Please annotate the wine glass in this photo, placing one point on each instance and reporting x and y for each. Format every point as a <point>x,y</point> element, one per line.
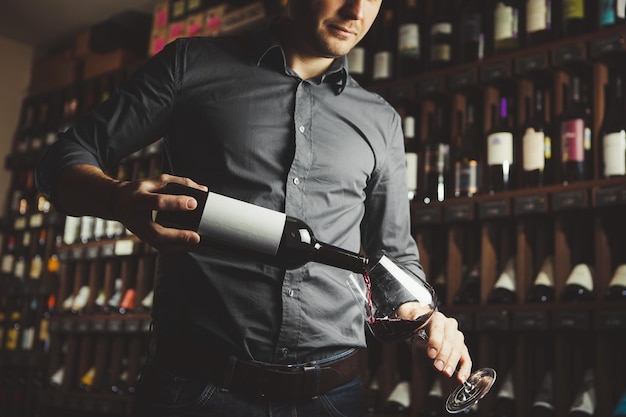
<point>397,304</point>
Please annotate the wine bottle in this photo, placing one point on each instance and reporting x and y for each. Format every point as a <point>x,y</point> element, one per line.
<point>71,229</point>
<point>579,284</point>
<point>56,380</point>
<point>543,404</point>
<point>617,285</point>
<point>542,290</point>
<point>258,232</point>
<point>584,404</point>
<point>434,403</point>
<point>357,62</point>
<point>610,12</point>
<point>383,52</point>
<point>539,28</point>
<point>80,300</point>
<point>127,304</point>
<point>613,131</point>
<point>409,46</point>
<point>441,35</point>
<point>504,290</point>
<point>576,17</point>
<point>500,149</point>
<point>36,264</point>
<point>44,324</point>
<point>436,159</point>
<point>8,257</point>
<point>620,408</point>
<point>505,401</point>
<point>27,336</point>
<point>536,146</point>
<point>467,167</point>
<point>506,25</point>
<point>399,400</point>
<point>472,32</point>
<point>575,130</point>
<point>410,154</point>
<point>87,379</point>
<point>469,292</point>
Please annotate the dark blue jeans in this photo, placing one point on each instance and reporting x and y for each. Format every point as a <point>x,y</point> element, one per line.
<point>166,393</point>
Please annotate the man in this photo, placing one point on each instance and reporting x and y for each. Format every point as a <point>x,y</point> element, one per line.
<point>273,119</point>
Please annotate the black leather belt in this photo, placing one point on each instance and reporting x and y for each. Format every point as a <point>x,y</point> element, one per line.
<point>253,379</point>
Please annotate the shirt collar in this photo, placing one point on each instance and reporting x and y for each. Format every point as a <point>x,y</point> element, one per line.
<point>267,51</point>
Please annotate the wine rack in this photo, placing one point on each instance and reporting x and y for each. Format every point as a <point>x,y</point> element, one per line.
<point>574,222</point>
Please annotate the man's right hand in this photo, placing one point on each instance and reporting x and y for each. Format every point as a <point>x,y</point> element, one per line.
<point>133,204</point>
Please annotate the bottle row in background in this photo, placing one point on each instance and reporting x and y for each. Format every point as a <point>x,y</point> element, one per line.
<point>413,36</point>
<point>492,150</point>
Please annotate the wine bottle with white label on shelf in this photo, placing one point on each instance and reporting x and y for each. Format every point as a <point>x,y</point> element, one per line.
<point>506,15</point>
<point>584,404</point>
<point>542,290</point>
<point>437,157</point>
<point>536,145</point>
<point>543,403</point>
<point>410,154</point>
<point>433,405</point>
<point>505,400</point>
<point>579,284</point>
<point>256,232</point>
<point>467,162</point>
<point>613,130</point>
<point>383,57</point>
<point>504,290</point>
<point>500,148</point>
<point>410,59</point>
<point>617,285</point>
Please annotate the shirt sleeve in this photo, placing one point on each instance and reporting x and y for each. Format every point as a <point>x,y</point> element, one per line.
<point>387,222</point>
<point>135,115</point>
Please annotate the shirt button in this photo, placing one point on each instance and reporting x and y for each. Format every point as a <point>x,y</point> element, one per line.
<point>285,351</point>
<point>296,180</point>
<point>301,129</point>
<point>290,293</point>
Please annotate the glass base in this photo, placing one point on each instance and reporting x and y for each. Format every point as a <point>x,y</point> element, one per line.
<point>476,387</point>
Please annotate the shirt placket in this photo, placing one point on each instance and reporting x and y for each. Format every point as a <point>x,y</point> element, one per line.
<point>295,206</point>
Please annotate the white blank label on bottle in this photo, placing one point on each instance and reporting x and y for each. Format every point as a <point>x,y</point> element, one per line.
<point>242,224</point>
<point>536,15</point>
<point>411,170</point>
<point>505,22</point>
<point>382,65</point>
<point>533,150</point>
<point>500,148</point>
<point>615,154</point>
<point>356,60</point>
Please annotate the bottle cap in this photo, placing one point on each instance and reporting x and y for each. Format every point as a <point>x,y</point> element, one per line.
<point>546,274</point>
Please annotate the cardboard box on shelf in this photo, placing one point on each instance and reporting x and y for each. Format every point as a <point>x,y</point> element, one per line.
<point>96,64</point>
<point>243,18</point>
<point>158,40</point>
<point>54,72</point>
<point>160,15</point>
<point>213,20</point>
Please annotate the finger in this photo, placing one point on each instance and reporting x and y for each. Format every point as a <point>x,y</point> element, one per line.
<point>165,179</point>
<point>465,367</point>
<point>435,335</point>
<point>167,237</point>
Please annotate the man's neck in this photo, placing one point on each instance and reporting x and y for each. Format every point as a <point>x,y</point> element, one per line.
<point>299,56</point>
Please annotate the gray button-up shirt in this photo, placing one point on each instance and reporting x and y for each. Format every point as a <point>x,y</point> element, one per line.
<point>236,118</point>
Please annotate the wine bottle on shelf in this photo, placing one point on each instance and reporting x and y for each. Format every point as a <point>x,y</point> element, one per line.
<point>357,62</point>
<point>81,299</point>
<point>506,14</point>
<point>610,12</point>
<point>8,257</point>
<point>410,154</point>
<point>576,17</point>
<point>539,28</point>
<point>86,228</point>
<point>44,324</point>
<point>542,290</point>
<point>71,229</point>
<point>504,290</point>
<point>116,298</point>
<point>436,158</point>
<point>56,379</point>
<point>146,302</point>
<point>613,130</point>
<point>617,285</point>
<point>500,149</point>
<point>467,166</point>
<point>584,404</point>
<point>36,263</point>
<point>13,330</point>
<point>27,336</point>
<point>399,400</point>
<point>441,35</point>
<point>469,292</point>
<point>434,403</point>
<point>409,40</point>
<point>127,304</point>
<point>505,400</point>
<point>384,48</point>
<point>472,32</point>
<point>536,146</point>
<point>579,284</point>
<point>575,136</point>
<point>256,232</point>
<point>86,382</point>
<point>543,403</point>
